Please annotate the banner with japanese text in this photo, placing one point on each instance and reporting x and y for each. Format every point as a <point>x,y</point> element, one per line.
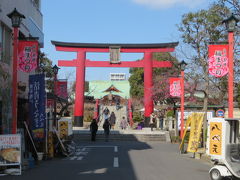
<point>27,55</point>
<point>175,87</point>
<point>37,105</point>
<point>186,126</point>
<point>218,60</point>
<point>61,89</point>
<point>195,132</point>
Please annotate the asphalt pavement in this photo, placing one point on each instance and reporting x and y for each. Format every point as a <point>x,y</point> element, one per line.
<point>120,161</point>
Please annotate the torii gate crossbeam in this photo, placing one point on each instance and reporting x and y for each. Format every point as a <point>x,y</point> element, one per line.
<point>81,63</point>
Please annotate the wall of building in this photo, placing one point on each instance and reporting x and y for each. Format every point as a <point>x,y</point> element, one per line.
<point>236,113</point>
<point>30,27</point>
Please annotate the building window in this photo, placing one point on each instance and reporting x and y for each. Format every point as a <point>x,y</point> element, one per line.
<point>1,42</point>
<point>37,3</point>
<point>5,44</point>
<point>0,117</point>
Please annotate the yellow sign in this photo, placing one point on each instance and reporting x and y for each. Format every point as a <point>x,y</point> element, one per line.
<point>50,145</point>
<point>188,122</point>
<point>215,138</point>
<point>63,129</point>
<point>195,131</point>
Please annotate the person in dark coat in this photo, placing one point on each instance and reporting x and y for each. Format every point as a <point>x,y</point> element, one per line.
<point>152,121</point>
<point>161,121</point>
<point>117,103</point>
<point>112,119</point>
<point>94,129</point>
<point>106,127</point>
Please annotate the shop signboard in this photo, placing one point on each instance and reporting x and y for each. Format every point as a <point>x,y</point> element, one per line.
<point>10,149</point>
<point>215,147</point>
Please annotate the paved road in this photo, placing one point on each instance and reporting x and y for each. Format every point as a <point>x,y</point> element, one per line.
<point>120,161</point>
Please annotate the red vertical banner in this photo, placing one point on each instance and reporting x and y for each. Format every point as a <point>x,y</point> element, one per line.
<point>218,60</point>
<point>50,103</point>
<point>27,55</point>
<point>175,87</point>
<point>61,89</point>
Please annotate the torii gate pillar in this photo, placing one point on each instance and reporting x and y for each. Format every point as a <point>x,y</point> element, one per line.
<point>148,85</point>
<point>79,95</point>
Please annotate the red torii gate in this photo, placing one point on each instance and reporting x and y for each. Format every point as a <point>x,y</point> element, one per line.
<point>81,63</point>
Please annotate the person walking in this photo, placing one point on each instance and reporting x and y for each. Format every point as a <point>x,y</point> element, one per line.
<point>123,123</point>
<point>152,121</point>
<point>112,119</point>
<point>161,117</point>
<point>106,127</point>
<point>117,103</point>
<point>106,113</point>
<point>157,122</point>
<point>93,129</point>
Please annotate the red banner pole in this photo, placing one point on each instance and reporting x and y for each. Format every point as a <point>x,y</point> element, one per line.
<point>182,104</point>
<point>55,123</point>
<point>14,80</point>
<point>230,74</point>
<point>130,111</point>
<point>96,109</point>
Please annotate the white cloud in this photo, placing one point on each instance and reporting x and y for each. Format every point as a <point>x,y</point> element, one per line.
<point>169,3</point>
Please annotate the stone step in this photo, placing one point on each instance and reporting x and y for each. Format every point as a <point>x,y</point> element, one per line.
<point>122,137</point>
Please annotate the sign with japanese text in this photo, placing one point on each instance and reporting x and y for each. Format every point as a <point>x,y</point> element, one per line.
<point>10,149</point>
<point>61,89</point>
<point>27,55</point>
<point>218,60</point>
<point>195,131</point>
<point>175,87</point>
<point>215,147</point>
<point>37,105</point>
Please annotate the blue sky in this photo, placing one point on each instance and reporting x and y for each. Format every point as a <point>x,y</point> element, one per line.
<point>111,21</point>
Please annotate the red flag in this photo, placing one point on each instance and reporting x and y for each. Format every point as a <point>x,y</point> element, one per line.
<point>175,87</point>
<point>61,89</point>
<point>50,103</point>
<point>218,60</point>
<point>27,55</point>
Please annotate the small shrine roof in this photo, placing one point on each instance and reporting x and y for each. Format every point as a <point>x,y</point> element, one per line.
<point>112,88</point>
<point>97,89</point>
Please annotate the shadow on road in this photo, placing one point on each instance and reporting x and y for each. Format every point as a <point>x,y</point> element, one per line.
<point>92,160</point>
